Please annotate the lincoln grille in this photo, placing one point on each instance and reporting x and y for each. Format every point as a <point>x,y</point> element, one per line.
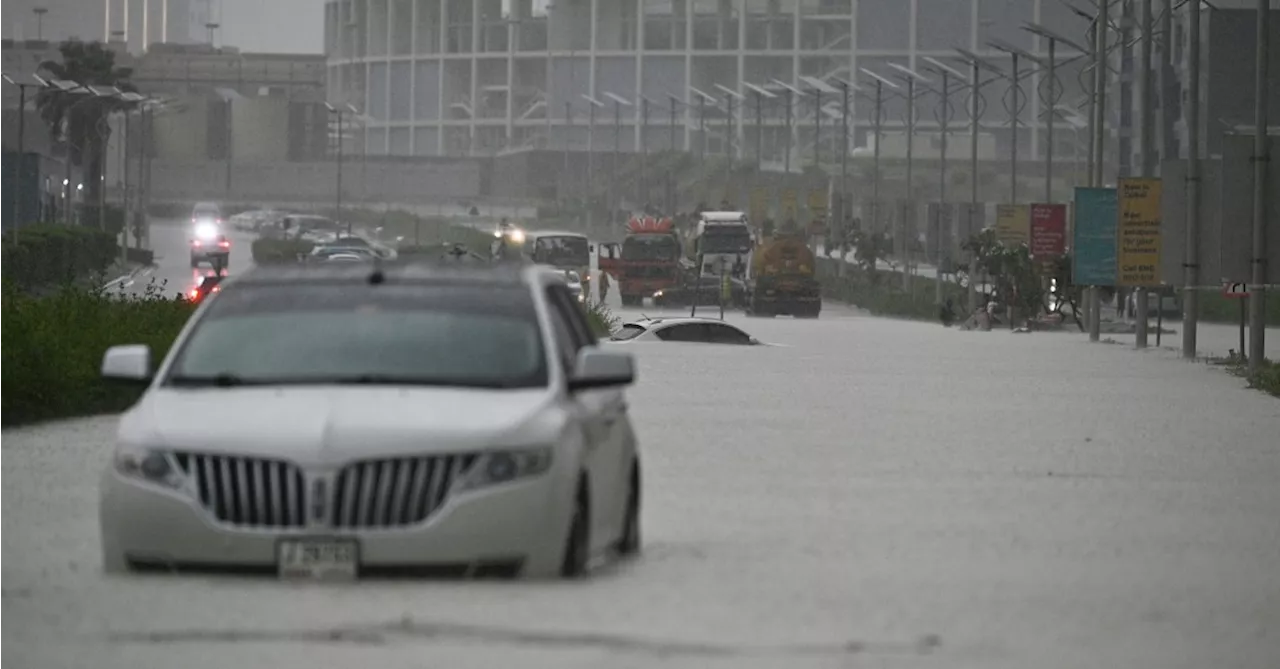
<point>246,491</point>
<point>394,492</point>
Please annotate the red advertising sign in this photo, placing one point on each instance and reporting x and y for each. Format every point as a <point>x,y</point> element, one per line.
<point>1048,230</point>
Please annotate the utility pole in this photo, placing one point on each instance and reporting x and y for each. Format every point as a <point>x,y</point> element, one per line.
<point>1146,130</point>
<point>974,112</point>
<point>643,197</point>
<point>875,158</point>
<point>568,138</point>
<point>1048,129</point>
<point>1191,252</point>
<point>817,127</point>
<point>786,156</point>
<point>942,188</point>
<point>907,219</point>
<point>843,210</point>
<point>1258,292</point>
<point>1099,142</point>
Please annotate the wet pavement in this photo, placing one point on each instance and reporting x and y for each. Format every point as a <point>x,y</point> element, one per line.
<point>868,492</point>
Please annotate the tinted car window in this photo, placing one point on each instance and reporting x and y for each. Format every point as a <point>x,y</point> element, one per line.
<point>567,341</point>
<point>691,332</point>
<point>397,334</point>
<point>628,331</point>
<point>724,334</point>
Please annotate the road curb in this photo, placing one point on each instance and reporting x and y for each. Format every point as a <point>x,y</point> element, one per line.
<point>126,280</point>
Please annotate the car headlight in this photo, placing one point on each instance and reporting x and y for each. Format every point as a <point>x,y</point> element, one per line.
<point>152,466</point>
<point>206,231</point>
<point>498,467</point>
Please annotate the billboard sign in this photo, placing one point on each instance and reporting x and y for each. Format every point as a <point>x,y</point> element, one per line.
<point>1093,246</point>
<point>1138,232</point>
<point>1013,224</point>
<point>1048,231</point>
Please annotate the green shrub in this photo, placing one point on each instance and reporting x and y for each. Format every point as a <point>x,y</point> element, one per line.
<point>53,348</point>
<point>49,255</point>
<point>113,219</point>
<point>885,296</point>
<point>1267,379</point>
<point>602,321</point>
<point>274,251</point>
<point>1215,308</point>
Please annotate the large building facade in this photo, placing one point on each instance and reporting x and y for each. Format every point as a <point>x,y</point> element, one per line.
<point>139,23</point>
<point>483,77</point>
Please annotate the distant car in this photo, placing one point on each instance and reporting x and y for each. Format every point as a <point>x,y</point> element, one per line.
<point>689,330</point>
<point>325,251</point>
<point>335,421</point>
<point>209,244</point>
<point>353,241</point>
<point>347,257</point>
<point>574,281</point>
<point>707,294</point>
<point>206,212</point>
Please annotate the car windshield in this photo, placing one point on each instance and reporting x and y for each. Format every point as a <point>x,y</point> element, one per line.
<point>650,247</point>
<point>567,250</point>
<point>205,211</point>
<point>438,335</point>
<point>628,331</point>
<point>726,239</point>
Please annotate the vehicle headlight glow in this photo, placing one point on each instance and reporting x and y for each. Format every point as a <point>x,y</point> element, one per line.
<point>498,467</point>
<point>152,466</point>
<point>517,236</point>
<point>206,231</point>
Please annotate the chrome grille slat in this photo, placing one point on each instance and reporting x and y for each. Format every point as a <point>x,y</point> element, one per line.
<point>396,514</point>
<point>386,479</point>
<point>247,492</point>
<point>394,492</point>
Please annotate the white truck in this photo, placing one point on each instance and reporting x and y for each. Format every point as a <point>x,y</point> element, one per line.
<point>723,244</point>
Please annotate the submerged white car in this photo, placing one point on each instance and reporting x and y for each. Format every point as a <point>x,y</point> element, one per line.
<point>432,419</point>
<point>686,330</point>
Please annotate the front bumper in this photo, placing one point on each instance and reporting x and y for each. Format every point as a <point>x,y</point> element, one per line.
<point>520,525</point>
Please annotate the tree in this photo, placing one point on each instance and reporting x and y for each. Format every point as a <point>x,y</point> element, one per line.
<point>79,121</point>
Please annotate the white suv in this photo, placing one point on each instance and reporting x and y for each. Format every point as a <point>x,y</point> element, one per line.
<point>345,419</point>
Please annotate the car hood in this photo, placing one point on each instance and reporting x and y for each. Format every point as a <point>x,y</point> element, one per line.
<point>333,424</point>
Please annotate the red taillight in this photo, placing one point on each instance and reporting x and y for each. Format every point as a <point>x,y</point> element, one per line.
<point>224,244</point>
<point>195,242</point>
<point>195,293</point>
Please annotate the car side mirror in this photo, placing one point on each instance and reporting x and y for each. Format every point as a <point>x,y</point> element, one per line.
<point>127,363</point>
<point>597,368</point>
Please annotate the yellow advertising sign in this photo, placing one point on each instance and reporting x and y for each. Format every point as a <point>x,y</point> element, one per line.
<point>759,205</point>
<point>790,210</point>
<point>1138,233</point>
<point>1013,223</point>
<point>818,203</point>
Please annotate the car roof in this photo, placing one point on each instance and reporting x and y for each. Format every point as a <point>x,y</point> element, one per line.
<point>650,323</point>
<point>399,271</point>
<point>529,234</point>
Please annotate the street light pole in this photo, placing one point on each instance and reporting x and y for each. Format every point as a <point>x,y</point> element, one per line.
<point>786,156</point>
<point>1099,139</point>
<point>1048,130</point>
<point>843,211</point>
<point>1191,254</point>
<point>1146,131</point>
<point>1258,292</point>
<point>974,113</point>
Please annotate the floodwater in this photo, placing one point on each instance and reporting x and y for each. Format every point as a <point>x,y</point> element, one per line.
<point>873,493</point>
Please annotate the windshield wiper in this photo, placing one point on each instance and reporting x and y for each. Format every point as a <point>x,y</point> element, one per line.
<point>395,380</point>
<point>223,380</point>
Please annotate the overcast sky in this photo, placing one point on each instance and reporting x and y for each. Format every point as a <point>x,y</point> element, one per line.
<point>292,26</point>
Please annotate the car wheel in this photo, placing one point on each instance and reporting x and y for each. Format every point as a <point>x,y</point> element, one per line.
<point>629,543</point>
<point>577,547</point>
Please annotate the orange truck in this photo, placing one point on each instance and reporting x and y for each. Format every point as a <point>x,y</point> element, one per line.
<point>647,260</point>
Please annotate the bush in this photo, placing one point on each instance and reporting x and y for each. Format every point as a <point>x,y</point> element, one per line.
<point>602,321</point>
<point>49,255</point>
<point>113,220</point>
<point>53,348</point>
<point>1215,308</point>
<point>274,251</point>
<point>885,296</point>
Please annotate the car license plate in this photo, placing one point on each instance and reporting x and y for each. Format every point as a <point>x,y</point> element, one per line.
<point>325,559</point>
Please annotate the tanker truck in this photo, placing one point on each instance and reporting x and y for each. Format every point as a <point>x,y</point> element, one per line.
<point>784,279</point>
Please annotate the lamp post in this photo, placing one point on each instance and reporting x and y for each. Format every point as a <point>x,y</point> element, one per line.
<point>790,93</point>
<point>340,112</point>
<point>1257,297</point>
<point>729,96</point>
<point>1191,254</point>
<point>911,77</point>
<point>1015,108</point>
<point>592,105</point>
<point>976,65</point>
<point>946,72</point>
<point>618,103</point>
<point>878,128</point>
<point>761,93</point>
<point>846,87</point>
<point>1053,39</point>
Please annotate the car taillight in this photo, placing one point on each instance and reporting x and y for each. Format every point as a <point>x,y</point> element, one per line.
<point>224,244</point>
<point>195,293</point>
<point>196,242</point>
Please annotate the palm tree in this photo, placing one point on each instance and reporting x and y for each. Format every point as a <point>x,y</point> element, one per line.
<point>82,123</point>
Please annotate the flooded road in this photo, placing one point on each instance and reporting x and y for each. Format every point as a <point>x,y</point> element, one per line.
<point>868,493</point>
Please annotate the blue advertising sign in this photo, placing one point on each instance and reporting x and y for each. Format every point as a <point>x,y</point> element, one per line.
<point>1093,247</point>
